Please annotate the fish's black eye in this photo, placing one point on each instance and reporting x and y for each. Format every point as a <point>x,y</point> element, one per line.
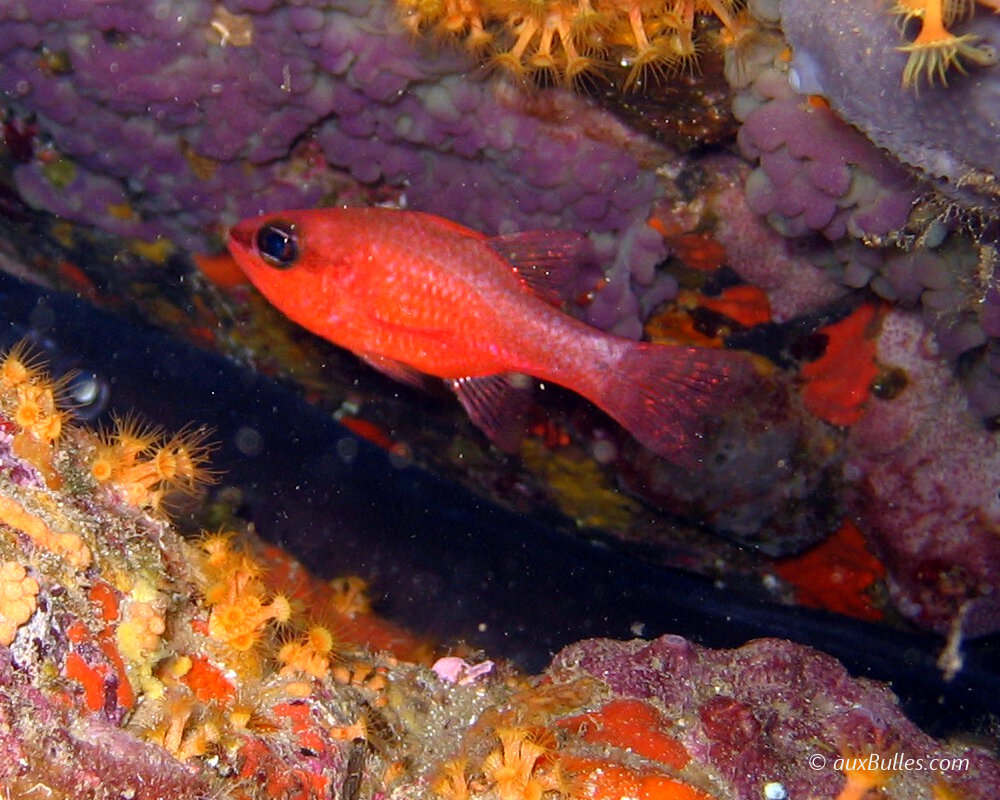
<point>278,244</point>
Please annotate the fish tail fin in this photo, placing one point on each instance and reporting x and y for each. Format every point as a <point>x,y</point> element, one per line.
<point>666,396</point>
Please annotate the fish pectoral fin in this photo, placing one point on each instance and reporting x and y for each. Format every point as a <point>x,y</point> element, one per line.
<point>546,261</point>
<point>396,370</point>
<point>408,323</point>
<point>498,404</point>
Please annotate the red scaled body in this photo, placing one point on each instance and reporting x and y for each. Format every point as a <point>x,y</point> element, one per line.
<point>414,293</point>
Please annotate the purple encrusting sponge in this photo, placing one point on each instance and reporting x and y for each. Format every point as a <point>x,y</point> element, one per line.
<point>815,173</point>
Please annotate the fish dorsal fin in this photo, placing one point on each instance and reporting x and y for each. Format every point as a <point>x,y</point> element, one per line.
<point>546,261</point>
<point>396,370</point>
<point>498,404</point>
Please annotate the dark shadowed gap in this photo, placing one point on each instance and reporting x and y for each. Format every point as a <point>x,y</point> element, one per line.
<point>443,561</point>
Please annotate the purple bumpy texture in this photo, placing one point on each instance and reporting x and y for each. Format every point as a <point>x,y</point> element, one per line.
<point>815,173</point>
<point>771,718</point>
<point>793,277</point>
<point>925,482</point>
<point>177,119</point>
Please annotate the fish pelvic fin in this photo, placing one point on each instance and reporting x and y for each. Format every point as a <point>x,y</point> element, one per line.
<point>498,405</point>
<point>396,370</point>
<point>669,396</point>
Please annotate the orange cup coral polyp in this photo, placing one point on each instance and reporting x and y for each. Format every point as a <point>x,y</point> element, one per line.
<point>936,50</point>
<point>144,466</point>
<point>567,39</point>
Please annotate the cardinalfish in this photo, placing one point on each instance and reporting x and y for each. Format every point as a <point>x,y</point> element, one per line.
<point>414,294</point>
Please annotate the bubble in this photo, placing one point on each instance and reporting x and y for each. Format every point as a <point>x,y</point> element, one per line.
<point>605,451</point>
<point>42,318</point>
<point>88,394</point>
<point>248,441</point>
<point>775,791</point>
<point>347,449</point>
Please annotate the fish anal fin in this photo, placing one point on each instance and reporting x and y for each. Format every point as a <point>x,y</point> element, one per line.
<point>396,370</point>
<point>546,261</point>
<point>498,405</point>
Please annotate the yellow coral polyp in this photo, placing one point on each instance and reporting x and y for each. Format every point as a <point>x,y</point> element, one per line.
<point>451,782</point>
<point>176,734</point>
<point>29,408</point>
<point>511,766</point>
<point>936,50</point>
<point>564,39</point>
<point>18,593</point>
<point>310,656</point>
<point>31,399</point>
<point>320,639</point>
<point>280,609</point>
<point>548,39</point>
<point>217,549</point>
<point>460,18</point>
<point>238,576</point>
<point>239,623</point>
<point>36,411</point>
<point>350,596</point>
<point>20,366</point>
<point>864,773</point>
<point>120,449</point>
<point>143,467</point>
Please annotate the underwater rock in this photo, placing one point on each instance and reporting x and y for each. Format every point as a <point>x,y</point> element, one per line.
<point>947,132</point>
<point>766,478</point>
<point>887,229</point>
<point>47,745</point>
<point>260,104</point>
<point>769,719</point>
<point>925,483</point>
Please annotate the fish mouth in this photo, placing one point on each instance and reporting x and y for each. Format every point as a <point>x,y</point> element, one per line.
<point>242,237</point>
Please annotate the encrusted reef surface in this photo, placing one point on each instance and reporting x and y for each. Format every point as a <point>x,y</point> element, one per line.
<point>137,663</point>
<point>947,130</point>
<point>913,465</point>
<point>175,121</point>
<point>135,133</point>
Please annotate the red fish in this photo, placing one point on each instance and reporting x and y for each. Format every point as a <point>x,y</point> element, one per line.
<point>415,294</point>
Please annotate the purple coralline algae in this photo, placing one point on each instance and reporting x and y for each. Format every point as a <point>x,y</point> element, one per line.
<point>772,719</point>
<point>794,279</point>
<point>925,482</point>
<point>956,285</point>
<point>173,120</point>
<point>851,54</point>
<point>815,173</point>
